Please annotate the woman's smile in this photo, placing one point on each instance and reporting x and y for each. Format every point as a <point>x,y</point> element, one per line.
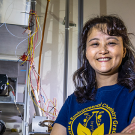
<point>103,59</point>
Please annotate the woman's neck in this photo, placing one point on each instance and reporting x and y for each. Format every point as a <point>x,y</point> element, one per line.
<point>106,80</point>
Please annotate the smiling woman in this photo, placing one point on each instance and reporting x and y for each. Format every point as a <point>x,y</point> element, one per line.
<point>104,98</point>
<point>104,52</point>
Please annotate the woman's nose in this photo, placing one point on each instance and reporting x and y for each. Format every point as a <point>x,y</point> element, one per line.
<point>104,49</point>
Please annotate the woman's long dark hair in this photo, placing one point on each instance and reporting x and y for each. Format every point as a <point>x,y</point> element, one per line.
<point>84,78</point>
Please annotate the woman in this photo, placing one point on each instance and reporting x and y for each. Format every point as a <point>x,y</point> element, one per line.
<point>104,99</point>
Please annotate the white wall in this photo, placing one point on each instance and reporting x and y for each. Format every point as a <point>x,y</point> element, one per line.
<point>125,9</point>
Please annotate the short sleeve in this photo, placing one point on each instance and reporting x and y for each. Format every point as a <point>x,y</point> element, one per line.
<point>63,114</point>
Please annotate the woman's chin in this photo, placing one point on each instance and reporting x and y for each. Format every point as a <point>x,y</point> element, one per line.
<point>106,72</point>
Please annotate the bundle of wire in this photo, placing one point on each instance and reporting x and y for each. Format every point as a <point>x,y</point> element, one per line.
<point>47,106</point>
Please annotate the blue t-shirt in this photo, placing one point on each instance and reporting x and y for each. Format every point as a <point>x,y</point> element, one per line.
<point>111,112</point>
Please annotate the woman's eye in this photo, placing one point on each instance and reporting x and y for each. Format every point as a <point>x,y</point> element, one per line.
<point>94,44</point>
<point>111,43</point>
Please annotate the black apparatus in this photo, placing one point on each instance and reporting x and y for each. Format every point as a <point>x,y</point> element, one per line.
<point>3,84</point>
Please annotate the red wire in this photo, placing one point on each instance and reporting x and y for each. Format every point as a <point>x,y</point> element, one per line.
<point>35,39</point>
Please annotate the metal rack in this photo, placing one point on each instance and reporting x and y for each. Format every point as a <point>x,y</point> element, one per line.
<point>13,111</point>
<point>39,133</point>
<point>9,110</point>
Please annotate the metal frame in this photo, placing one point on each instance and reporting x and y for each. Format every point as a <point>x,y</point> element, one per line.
<point>26,106</point>
<point>80,25</point>
<point>66,51</point>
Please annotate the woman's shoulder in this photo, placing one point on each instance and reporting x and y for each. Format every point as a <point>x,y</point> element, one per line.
<point>123,88</point>
<point>72,95</point>
<point>71,99</point>
<point>128,91</point>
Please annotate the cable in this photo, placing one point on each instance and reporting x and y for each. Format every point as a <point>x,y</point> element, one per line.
<point>12,33</point>
<point>26,39</point>
<point>34,96</point>
<point>8,18</point>
<point>13,92</point>
<point>41,100</point>
<point>41,36</point>
<point>18,45</point>
<point>1,25</point>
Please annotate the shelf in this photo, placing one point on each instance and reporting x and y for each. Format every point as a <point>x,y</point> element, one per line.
<point>18,103</point>
<point>9,112</point>
<point>39,133</point>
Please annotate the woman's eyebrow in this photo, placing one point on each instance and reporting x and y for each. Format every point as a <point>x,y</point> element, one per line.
<point>112,38</point>
<point>93,39</point>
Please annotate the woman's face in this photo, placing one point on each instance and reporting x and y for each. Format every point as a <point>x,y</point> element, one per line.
<point>104,52</point>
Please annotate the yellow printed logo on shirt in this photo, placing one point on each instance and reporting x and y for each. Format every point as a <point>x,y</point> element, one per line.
<point>93,120</point>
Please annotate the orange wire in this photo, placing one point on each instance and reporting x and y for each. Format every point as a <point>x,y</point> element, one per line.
<point>39,65</point>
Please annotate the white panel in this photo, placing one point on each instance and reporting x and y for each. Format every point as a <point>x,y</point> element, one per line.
<point>11,11</point>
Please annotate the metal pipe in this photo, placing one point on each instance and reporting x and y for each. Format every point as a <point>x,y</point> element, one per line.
<point>28,113</point>
<point>25,102</point>
<point>80,25</point>
<point>66,50</point>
